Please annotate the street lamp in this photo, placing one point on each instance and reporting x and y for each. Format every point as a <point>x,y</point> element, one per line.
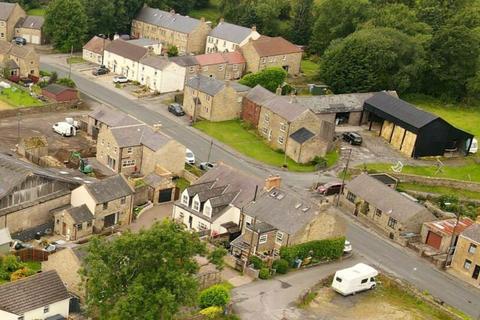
<point>345,170</point>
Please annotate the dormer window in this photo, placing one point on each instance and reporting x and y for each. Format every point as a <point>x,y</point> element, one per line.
<point>185,199</point>
<point>196,205</point>
<point>207,210</point>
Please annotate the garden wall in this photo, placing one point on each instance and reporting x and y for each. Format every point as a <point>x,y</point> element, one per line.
<point>51,107</point>
<point>435,181</point>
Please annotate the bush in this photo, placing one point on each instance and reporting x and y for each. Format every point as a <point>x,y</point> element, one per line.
<point>211,312</point>
<point>319,250</point>
<point>257,262</point>
<point>21,273</point>
<point>216,257</point>
<point>269,78</point>
<point>281,266</point>
<point>66,82</point>
<point>216,295</point>
<point>264,273</point>
<point>320,162</point>
<point>11,263</point>
<point>53,77</point>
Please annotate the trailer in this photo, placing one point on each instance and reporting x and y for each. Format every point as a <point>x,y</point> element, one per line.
<point>351,280</point>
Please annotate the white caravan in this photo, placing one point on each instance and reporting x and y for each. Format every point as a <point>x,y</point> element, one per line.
<point>354,279</point>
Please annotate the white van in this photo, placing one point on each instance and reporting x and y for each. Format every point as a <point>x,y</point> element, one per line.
<point>65,129</point>
<point>360,277</point>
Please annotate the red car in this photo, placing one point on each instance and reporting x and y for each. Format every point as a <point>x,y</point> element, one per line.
<point>330,188</point>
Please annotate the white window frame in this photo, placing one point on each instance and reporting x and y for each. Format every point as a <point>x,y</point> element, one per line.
<point>185,199</point>
<point>279,237</point>
<point>263,238</point>
<point>196,205</point>
<point>129,150</point>
<point>472,248</point>
<point>283,127</point>
<point>281,139</point>
<point>467,264</point>
<point>128,163</point>
<point>201,226</point>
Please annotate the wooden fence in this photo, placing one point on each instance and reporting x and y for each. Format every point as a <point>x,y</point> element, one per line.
<point>31,254</point>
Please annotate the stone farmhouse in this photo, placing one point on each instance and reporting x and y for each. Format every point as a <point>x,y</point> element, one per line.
<point>20,61</point>
<point>228,37</point>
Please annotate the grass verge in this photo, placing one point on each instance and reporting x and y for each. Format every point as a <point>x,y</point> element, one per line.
<point>460,193</point>
<point>249,143</point>
<point>75,59</point>
<point>18,98</point>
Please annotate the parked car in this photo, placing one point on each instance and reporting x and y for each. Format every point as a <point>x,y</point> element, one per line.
<point>65,129</point>
<point>347,248</point>
<point>189,157</point>
<point>351,280</point>
<point>207,165</point>
<point>18,244</point>
<point>352,138</point>
<point>330,188</point>
<point>26,82</point>
<point>120,79</point>
<point>100,70</point>
<point>176,109</point>
<point>20,41</point>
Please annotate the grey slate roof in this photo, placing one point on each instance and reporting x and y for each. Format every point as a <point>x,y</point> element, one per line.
<point>126,49</point>
<point>6,10</point>
<point>113,118</point>
<point>346,102</point>
<point>5,236</point>
<point>30,293</point>
<point>473,232</point>
<point>142,42</point>
<point>80,214</point>
<point>213,86</point>
<point>130,136</point>
<point>154,180</point>
<point>109,189</point>
<point>230,32</point>
<point>185,61</point>
<point>33,22</point>
<point>302,135</point>
<point>167,20</point>
<point>286,107</point>
<point>259,95</point>
<point>385,198</point>
<point>156,62</point>
<point>283,209</point>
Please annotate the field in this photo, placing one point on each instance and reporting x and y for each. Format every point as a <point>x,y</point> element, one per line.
<point>211,13</point>
<point>17,98</point>
<point>37,12</point>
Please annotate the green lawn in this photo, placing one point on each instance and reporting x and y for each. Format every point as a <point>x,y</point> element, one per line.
<point>309,68</point>
<point>75,59</point>
<point>460,193</point>
<point>37,12</point>
<point>249,143</point>
<point>211,13</point>
<point>182,183</point>
<point>18,98</point>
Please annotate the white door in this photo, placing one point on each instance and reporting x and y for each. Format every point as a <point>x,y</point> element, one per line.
<point>35,39</point>
<point>27,37</point>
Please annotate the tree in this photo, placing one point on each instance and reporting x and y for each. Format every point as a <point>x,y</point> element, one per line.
<point>100,21</point>
<point>172,51</point>
<point>216,295</point>
<point>147,275</point>
<point>269,78</point>
<point>216,257</point>
<point>373,60</point>
<point>337,19</point>
<point>302,24</point>
<point>66,24</point>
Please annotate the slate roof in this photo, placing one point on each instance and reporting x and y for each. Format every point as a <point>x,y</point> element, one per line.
<point>57,88</point>
<point>143,42</point>
<point>302,135</point>
<point>283,209</point>
<point>32,22</point>
<point>30,293</point>
<point>109,189</point>
<point>80,214</point>
<point>473,232</point>
<point>157,62</point>
<point>6,10</point>
<point>259,95</point>
<point>185,61</point>
<point>399,109</point>
<point>113,118</point>
<point>136,135</point>
<point>213,86</point>
<point>127,50</point>
<point>230,32</point>
<point>284,106</point>
<point>154,180</point>
<point>268,46</point>
<point>385,198</point>
<point>5,236</point>
<point>15,50</point>
<point>167,20</point>
<point>384,178</point>
<point>96,44</point>
<point>346,102</point>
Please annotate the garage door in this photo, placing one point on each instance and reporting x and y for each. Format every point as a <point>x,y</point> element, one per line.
<point>434,240</point>
<point>35,39</point>
<point>165,195</point>
<point>27,37</point>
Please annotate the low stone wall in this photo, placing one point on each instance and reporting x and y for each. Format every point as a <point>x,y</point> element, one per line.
<point>190,177</point>
<point>436,181</point>
<point>51,107</point>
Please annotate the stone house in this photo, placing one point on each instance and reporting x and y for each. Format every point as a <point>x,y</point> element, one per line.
<point>160,187</point>
<point>213,203</point>
<point>267,52</point>
<point>31,29</point>
<point>278,217</point>
<point>228,37</point>
<point>466,259</point>
<point>161,75</point>
<point>303,145</point>
<point>42,296</point>
<point>222,66</point>
<point>213,100</point>
<point>105,117</point>
<point>122,57</point>
<point>139,148</point>
<point>10,14</point>
<point>438,234</point>
<point>397,215</point>
<point>21,61</point>
<point>74,222</point>
<point>189,35</point>
<point>93,49</point>
<point>252,104</point>
<point>109,201</point>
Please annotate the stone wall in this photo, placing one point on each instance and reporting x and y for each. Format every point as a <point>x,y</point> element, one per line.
<point>435,181</point>
<point>51,107</point>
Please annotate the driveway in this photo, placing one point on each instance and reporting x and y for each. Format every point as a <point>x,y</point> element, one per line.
<point>150,216</point>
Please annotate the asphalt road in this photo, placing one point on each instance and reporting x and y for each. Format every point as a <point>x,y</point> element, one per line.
<point>378,251</point>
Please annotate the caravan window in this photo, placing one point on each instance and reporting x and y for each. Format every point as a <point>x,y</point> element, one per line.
<point>338,279</point>
<point>364,280</point>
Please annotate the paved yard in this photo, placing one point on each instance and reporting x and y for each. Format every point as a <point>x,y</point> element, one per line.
<point>149,217</point>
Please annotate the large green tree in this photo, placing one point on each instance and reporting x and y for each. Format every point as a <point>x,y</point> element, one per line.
<point>100,21</point>
<point>66,24</point>
<point>373,59</point>
<point>269,78</point>
<point>145,276</point>
<point>302,23</point>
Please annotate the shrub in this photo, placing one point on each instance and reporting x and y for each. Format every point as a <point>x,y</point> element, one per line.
<point>21,273</point>
<point>216,295</point>
<point>281,266</point>
<point>329,249</point>
<point>66,82</point>
<point>264,273</point>
<point>211,312</point>
<point>53,77</point>
<point>44,73</point>
<point>257,262</point>
<point>216,257</point>
<point>11,263</point>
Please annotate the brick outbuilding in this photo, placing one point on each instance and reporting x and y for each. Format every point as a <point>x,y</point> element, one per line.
<point>60,93</point>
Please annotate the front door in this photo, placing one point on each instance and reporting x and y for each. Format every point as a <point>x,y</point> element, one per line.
<point>110,220</point>
<point>476,272</point>
<point>190,221</point>
<point>64,229</point>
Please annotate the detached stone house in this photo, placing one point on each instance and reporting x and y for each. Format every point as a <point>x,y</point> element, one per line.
<point>10,14</point>
<point>42,296</point>
<point>139,149</point>
<point>21,61</point>
<point>161,75</point>
<point>228,37</point>
<point>230,65</point>
<point>31,29</point>
<point>396,215</point>
<point>267,52</point>
<point>122,57</point>
<point>105,117</point>
<point>278,217</point>
<point>93,49</point>
<point>466,260</point>
<point>213,100</point>
<point>213,203</point>
<point>189,35</point>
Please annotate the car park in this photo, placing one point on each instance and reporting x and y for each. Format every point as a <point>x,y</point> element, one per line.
<point>207,165</point>
<point>353,138</point>
<point>189,157</point>
<point>100,71</point>
<point>330,188</point>
<point>176,109</point>
<point>120,79</point>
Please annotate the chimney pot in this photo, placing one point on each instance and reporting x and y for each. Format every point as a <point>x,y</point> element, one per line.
<point>172,11</point>
<point>272,182</point>
<point>254,28</point>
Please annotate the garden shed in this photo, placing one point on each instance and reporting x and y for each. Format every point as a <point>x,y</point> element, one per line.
<point>414,132</point>
<point>60,93</point>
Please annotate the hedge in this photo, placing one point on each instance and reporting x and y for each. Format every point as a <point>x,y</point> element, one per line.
<point>264,273</point>
<point>281,266</point>
<point>319,250</point>
<point>216,295</point>
<point>257,262</point>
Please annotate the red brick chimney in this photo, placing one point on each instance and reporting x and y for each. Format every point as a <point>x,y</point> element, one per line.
<point>272,182</point>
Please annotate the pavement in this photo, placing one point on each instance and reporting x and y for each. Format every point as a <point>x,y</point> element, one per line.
<point>368,246</point>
